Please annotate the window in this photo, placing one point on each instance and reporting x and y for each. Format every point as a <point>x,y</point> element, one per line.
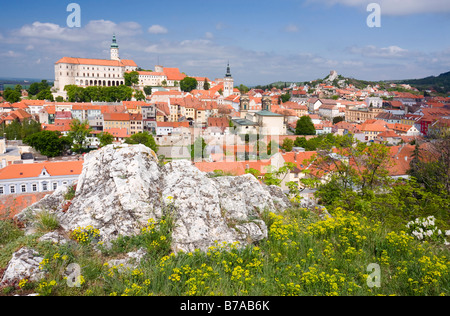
<point>55,185</point>
<point>23,188</point>
<point>44,186</point>
<point>12,189</point>
<point>2,190</point>
<point>34,187</point>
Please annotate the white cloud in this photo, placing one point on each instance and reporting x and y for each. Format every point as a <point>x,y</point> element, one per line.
<point>395,7</point>
<point>157,29</point>
<point>93,31</point>
<point>291,28</point>
<point>11,54</point>
<point>209,35</point>
<point>376,52</point>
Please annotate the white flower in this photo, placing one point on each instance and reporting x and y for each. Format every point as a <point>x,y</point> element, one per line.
<point>447,233</point>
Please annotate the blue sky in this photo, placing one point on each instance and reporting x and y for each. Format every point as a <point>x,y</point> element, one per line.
<point>265,41</point>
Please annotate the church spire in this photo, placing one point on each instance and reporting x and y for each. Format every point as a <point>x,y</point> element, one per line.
<point>228,75</point>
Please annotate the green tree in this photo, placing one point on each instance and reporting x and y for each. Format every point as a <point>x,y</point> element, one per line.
<point>272,148</point>
<point>48,143</point>
<point>188,84</point>
<point>139,95</point>
<point>431,166</point>
<point>75,93</point>
<point>34,88</point>
<point>12,96</point>
<point>285,97</point>
<point>79,132</point>
<point>288,144</point>
<point>131,78</point>
<point>105,139</point>
<point>198,149</point>
<point>338,119</point>
<point>305,126</point>
<point>243,89</point>
<point>45,95</point>
<point>357,171</point>
<point>276,177</point>
<point>300,142</point>
<point>148,90</point>
<point>206,84</point>
<point>143,138</point>
<point>254,172</point>
<point>20,130</point>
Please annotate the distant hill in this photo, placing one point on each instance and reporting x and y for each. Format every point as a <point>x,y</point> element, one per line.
<point>440,83</point>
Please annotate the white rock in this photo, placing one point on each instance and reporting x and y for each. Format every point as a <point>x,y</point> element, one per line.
<point>23,265</point>
<point>53,237</point>
<point>120,188</point>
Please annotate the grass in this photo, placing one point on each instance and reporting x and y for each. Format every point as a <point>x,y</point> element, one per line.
<point>303,255</point>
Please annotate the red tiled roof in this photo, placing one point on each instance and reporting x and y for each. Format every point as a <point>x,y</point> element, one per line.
<point>34,170</point>
<point>118,132</point>
<point>232,167</point>
<point>116,117</point>
<point>96,62</point>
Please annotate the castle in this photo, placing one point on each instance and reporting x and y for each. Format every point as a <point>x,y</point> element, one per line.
<point>86,72</point>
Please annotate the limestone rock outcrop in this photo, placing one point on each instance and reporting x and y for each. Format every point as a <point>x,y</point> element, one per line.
<point>23,265</point>
<point>122,187</point>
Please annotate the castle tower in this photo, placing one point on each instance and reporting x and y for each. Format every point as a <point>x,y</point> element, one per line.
<point>114,49</point>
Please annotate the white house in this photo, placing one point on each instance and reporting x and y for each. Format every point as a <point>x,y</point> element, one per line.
<point>38,177</point>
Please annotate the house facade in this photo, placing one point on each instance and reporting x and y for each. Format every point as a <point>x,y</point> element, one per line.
<point>38,177</point>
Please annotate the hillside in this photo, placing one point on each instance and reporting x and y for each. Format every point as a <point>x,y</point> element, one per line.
<point>440,83</point>
<point>135,227</point>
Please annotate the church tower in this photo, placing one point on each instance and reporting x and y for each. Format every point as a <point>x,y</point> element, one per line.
<point>266,103</point>
<point>228,83</point>
<point>114,49</point>
<point>244,105</point>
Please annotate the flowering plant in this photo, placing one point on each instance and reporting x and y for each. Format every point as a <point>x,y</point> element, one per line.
<point>425,229</point>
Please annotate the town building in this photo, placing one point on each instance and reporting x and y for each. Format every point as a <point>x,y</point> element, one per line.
<point>38,177</point>
<point>227,82</point>
<point>86,72</point>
